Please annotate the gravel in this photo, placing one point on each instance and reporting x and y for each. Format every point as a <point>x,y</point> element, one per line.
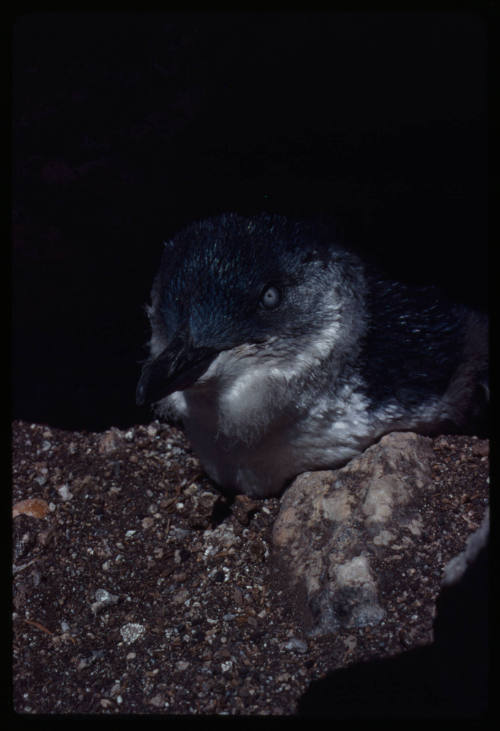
<point>140,588</point>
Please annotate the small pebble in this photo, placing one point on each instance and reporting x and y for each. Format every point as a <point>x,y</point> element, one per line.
<point>295,643</point>
<point>131,632</point>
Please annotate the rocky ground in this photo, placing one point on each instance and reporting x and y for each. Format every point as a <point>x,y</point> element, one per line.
<point>139,588</point>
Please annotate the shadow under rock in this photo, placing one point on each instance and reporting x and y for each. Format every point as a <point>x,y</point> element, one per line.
<point>448,679</point>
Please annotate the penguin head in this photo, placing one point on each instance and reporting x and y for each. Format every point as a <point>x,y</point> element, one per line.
<point>229,281</point>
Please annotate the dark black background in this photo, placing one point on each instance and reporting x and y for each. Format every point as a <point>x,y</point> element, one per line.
<point>127,126</point>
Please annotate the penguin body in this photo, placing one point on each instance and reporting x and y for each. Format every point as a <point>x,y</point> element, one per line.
<point>281,351</point>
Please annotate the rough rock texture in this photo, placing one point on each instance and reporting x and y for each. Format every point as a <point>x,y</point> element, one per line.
<point>139,588</point>
<point>359,537</point>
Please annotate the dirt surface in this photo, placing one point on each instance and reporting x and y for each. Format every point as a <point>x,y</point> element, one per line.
<point>139,588</point>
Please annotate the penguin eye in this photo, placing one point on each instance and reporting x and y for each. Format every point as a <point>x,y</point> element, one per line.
<point>270,297</point>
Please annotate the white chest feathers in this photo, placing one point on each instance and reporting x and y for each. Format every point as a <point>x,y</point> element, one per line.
<point>257,428</point>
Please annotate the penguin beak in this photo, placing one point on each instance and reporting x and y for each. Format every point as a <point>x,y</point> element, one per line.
<point>176,368</point>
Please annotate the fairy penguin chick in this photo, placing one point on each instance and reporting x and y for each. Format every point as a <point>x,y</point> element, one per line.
<point>281,351</point>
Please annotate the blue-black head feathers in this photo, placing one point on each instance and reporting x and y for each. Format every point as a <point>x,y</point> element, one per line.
<point>230,280</point>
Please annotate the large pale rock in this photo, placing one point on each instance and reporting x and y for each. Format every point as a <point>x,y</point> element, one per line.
<point>354,541</point>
